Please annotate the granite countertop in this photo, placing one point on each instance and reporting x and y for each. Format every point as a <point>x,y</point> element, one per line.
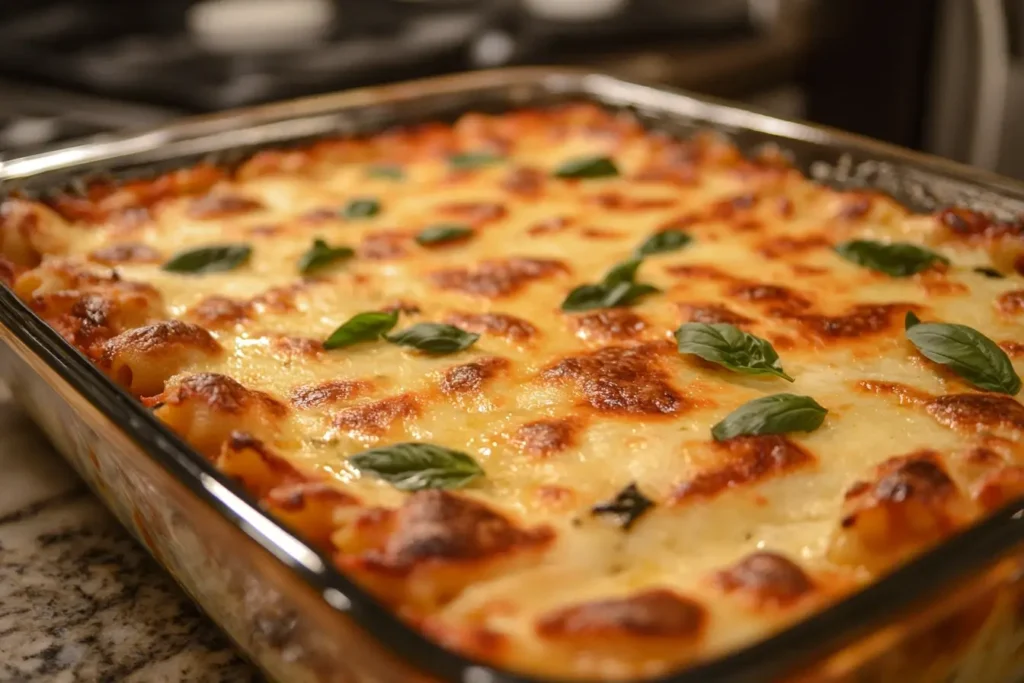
<point>80,600</point>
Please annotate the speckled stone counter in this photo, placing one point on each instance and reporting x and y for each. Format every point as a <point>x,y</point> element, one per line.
<point>80,600</point>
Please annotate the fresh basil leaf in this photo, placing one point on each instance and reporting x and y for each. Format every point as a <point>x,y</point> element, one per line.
<point>776,414</point>
<point>627,293</point>
<point>468,160</point>
<point>989,272</point>
<point>585,298</point>
<point>965,351</point>
<point>211,259</point>
<point>418,466</point>
<point>361,207</point>
<point>910,320</point>
<point>898,259</point>
<point>618,288</point>
<point>587,167</point>
<point>730,347</point>
<point>628,506</point>
<point>322,254</point>
<point>664,242</point>
<point>623,272</point>
<point>386,172</point>
<point>362,327</point>
<point>434,338</point>
<point>443,232</point>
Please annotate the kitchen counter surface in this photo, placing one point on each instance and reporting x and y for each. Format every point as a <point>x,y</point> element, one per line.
<point>80,600</point>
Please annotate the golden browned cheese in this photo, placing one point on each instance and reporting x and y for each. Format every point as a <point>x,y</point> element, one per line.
<point>561,410</point>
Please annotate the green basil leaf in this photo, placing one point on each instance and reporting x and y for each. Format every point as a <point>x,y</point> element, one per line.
<point>211,259</point>
<point>730,347</point>
<point>623,272</point>
<point>989,272</point>
<point>434,338</point>
<point>443,232</point>
<point>587,167</point>
<point>910,320</point>
<point>965,351</point>
<point>418,466</point>
<point>664,242</point>
<point>361,207</point>
<point>585,298</point>
<point>627,293</point>
<point>322,254</point>
<point>777,414</point>
<point>386,172</point>
<point>898,259</point>
<point>468,160</point>
<point>618,288</point>
<point>362,327</point>
<point>628,506</point>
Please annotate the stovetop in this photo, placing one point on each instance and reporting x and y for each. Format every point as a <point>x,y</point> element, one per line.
<point>206,55</point>
<point>115,64</point>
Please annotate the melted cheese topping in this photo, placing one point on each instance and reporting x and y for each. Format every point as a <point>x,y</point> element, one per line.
<point>561,410</point>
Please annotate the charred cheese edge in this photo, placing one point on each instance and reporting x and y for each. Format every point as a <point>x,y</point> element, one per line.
<point>561,410</point>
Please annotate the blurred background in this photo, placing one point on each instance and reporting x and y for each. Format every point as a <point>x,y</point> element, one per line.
<point>946,76</point>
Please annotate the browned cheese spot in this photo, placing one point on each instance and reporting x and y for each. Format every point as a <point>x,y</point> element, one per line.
<point>906,395</point>
<point>781,297</point>
<point>329,392</point>
<point>728,208</point>
<point>654,613</point>
<point>471,377</point>
<point>547,437</point>
<point>89,318</point>
<point>499,324</point>
<point>140,359</point>
<point>977,412</point>
<point>475,213</point>
<point>126,253</point>
<point>438,525</point>
<point>221,206</point>
<point>524,181</point>
<point>246,458</point>
<point>619,379</point>
<point>701,272</point>
<point>309,508</point>
<point>860,321</point>
<point>611,324</point>
<point>1011,303</point>
<point>219,311</point>
<point>499,278</point>
<point>287,348</point>
<point>377,417</point>
<point>616,201</point>
<point>549,225</point>
<point>402,306</point>
<point>746,460</point>
<point>712,313</point>
<point>782,247</point>
<point>221,393</point>
<point>767,578</point>
<point>1013,349</point>
<point>855,208</point>
<point>911,501</point>
<point>968,225</point>
<point>384,246</point>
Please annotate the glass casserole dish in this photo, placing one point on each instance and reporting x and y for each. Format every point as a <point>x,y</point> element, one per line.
<point>299,618</point>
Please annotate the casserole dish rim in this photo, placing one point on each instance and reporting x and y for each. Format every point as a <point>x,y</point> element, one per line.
<point>966,554</point>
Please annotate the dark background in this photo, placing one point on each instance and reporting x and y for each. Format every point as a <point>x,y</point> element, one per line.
<point>72,68</point>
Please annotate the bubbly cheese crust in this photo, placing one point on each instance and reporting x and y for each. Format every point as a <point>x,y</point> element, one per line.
<point>561,410</point>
